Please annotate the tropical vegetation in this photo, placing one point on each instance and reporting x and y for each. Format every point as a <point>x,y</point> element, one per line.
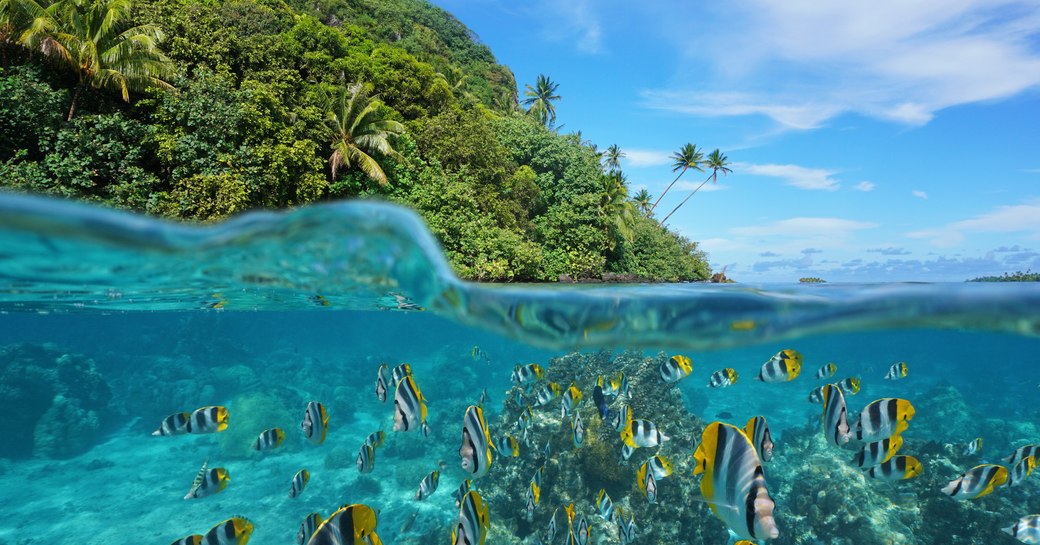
<point>1018,276</point>
<point>201,109</point>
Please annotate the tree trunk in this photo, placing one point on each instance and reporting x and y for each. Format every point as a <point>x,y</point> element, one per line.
<point>663,193</point>
<point>75,98</point>
<point>686,199</point>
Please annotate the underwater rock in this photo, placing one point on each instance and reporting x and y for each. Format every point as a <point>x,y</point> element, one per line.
<point>821,496</point>
<point>948,417</point>
<point>66,429</point>
<point>53,402</point>
<point>250,414</point>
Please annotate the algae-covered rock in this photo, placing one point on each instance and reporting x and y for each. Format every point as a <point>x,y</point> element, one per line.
<point>252,413</point>
<point>53,402</point>
<point>66,429</point>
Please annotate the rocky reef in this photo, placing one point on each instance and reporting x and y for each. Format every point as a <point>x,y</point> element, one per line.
<point>573,474</point>
<point>54,403</point>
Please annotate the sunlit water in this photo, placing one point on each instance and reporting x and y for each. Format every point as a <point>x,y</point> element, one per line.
<point>109,322</point>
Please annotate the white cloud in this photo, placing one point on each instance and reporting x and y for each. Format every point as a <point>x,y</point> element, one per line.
<point>805,227</point>
<point>803,62</point>
<point>864,186</point>
<point>920,194</point>
<point>637,158</point>
<point>574,19</point>
<point>793,175</point>
<point>1021,218</point>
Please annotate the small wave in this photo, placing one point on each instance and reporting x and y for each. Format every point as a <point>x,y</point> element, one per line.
<point>57,256</point>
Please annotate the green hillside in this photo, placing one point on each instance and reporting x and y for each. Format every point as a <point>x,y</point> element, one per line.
<point>200,109</point>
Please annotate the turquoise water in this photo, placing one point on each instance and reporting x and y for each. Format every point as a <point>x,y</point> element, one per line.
<point>110,322</point>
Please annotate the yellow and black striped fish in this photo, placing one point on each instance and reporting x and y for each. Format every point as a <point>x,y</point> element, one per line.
<point>757,430</point>
<point>409,406</point>
<point>816,396</point>
<point>460,492</point>
<point>723,378</point>
<point>233,531</point>
<point>626,528</point>
<point>571,398</point>
<point>476,443</point>
<point>826,371</point>
<point>315,423</point>
<point>835,416</point>
<point>641,433</point>
<point>897,371</point>
<point>526,374</point>
<point>878,452</point>
<point>208,482</point>
<point>578,429</point>
<point>175,424</point>
<point>883,418</point>
<point>1023,452</point>
<point>269,439</point>
<point>546,393</point>
<point>509,443</point>
<point>579,532</point>
<point>534,491</point>
<point>733,483</point>
<point>382,387</point>
<point>661,466</point>
<point>848,385</point>
<point>897,468</point>
<point>620,418</point>
<point>646,482</point>
<point>973,447</point>
<point>307,528</point>
<point>605,505</point>
<point>1018,474</point>
<point>428,485</point>
<point>976,482</point>
<point>366,458</point>
<point>190,540</point>
<point>376,439</point>
<point>299,482</point>
<point>474,521</point>
<point>785,366</point>
<point>398,374</point>
<point>208,420</point>
<point>1026,530</point>
<point>353,524</point>
<point>676,368</point>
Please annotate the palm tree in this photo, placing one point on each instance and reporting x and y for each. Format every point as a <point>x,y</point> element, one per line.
<point>686,158</point>
<point>540,100</point>
<point>641,201</point>
<point>717,162</point>
<point>90,36</point>
<point>613,157</point>
<point>357,132</point>
<point>615,206</point>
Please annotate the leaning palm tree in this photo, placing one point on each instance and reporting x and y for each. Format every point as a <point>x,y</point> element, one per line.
<point>686,158</point>
<point>92,38</point>
<point>540,100</point>
<point>717,162</point>
<point>641,201</point>
<point>357,132</point>
<point>613,157</point>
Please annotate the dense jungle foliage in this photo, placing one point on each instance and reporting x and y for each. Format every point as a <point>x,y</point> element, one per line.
<point>200,109</point>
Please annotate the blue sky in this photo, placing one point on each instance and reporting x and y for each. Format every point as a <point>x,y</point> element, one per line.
<point>881,140</point>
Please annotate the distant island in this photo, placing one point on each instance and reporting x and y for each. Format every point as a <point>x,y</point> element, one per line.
<point>197,110</point>
<point>1019,276</point>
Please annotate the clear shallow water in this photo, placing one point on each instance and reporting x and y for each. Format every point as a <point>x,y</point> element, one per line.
<point>271,311</point>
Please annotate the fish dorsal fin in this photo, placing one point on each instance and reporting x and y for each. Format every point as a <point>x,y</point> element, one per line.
<point>199,478</point>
